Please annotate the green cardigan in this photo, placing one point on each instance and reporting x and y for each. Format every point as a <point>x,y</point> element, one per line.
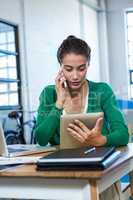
<point>101,99</point>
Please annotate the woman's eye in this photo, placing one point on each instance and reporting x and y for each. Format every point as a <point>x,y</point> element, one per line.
<point>68,69</point>
<point>82,69</point>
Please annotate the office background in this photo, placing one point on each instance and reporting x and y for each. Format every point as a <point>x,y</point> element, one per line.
<point>43,24</point>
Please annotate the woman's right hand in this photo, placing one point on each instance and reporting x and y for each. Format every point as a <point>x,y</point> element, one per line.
<point>61,89</point>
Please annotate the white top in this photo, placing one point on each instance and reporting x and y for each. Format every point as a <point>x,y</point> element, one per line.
<point>86,104</point>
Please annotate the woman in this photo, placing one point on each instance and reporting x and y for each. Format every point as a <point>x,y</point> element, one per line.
<point>73,93</point>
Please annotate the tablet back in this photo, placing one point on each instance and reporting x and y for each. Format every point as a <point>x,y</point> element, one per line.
<point>66,140</point>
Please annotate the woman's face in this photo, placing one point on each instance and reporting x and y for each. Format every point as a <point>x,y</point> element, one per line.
<point>74,69</point>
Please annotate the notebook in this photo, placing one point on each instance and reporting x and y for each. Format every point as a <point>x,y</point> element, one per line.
<point>66,140</point>
<point>20,149</point>
<point>80,158</point>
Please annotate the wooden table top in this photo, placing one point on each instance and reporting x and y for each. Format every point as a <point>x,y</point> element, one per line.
<point>29,170</point>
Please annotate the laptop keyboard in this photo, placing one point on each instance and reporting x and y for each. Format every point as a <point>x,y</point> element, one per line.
<point>12,150</point>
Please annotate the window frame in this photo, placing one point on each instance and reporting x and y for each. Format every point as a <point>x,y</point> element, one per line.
<point>130,71</point>
<point>17,67</point>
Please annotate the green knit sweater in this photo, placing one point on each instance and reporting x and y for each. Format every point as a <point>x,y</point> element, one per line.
<point>101,99</point>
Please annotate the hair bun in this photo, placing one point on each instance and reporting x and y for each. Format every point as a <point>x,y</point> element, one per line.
<point>74,45</point>
<point>71,37</point>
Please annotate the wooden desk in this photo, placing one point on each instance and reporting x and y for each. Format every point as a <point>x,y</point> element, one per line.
<point>25,182</point>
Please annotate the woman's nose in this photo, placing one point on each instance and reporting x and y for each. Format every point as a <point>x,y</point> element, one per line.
<point>75,75</point>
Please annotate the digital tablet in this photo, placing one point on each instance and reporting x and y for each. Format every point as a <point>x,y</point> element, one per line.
<point>89,119</point>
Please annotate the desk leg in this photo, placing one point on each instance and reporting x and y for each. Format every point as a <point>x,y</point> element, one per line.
<point>94,190</point>
<point>131,183</point>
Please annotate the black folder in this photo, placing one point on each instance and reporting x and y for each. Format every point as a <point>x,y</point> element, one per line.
<point>79,159</point>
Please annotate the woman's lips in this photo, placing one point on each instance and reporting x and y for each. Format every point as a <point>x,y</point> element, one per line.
<point>75,83</point>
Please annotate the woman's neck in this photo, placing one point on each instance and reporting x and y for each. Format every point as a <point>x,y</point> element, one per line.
<point>76,100</point>
<point>81,90</point>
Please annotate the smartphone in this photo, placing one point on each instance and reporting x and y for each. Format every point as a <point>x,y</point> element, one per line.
<point>64,84</point>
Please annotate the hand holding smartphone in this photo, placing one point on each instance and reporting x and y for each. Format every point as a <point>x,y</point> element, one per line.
<point>61,90</point>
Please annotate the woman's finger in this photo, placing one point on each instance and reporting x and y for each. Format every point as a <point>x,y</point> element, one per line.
<point>99,124</point>
<point>75,135</point>
<point>83,134</point>
<point>60,80</point>
<point>59,75</point>
<point>81,125</point>
<point>76,128</point>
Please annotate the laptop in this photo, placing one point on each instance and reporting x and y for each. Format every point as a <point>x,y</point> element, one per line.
<point>89,119</point>
<point>20,149</point>
<point>79,159</point>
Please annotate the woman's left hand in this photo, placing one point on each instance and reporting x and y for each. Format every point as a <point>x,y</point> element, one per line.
<point>86,136</point>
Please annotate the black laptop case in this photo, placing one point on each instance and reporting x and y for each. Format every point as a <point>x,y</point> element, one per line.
<point>77,159</point>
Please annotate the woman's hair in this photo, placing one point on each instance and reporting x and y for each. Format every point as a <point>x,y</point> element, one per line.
<point>74,45</point>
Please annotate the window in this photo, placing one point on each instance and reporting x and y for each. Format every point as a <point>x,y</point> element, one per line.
<point>9,67</point>
<point>129,19</point>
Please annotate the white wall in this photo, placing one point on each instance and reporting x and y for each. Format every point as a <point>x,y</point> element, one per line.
<point>91,36</point>
<point>10,10</point>
<point>103,43</point>
<point>46,25</point>
<point>117,45</point>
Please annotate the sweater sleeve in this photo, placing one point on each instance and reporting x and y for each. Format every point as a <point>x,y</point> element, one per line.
<point>48,118</point>
<point>118,131</point>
